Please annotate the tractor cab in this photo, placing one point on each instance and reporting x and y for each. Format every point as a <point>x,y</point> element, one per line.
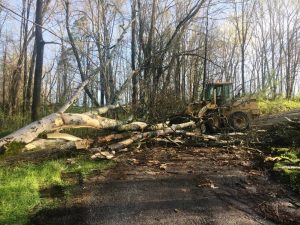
<point>219,93</point>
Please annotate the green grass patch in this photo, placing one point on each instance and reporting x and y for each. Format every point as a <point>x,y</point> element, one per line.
<point>20,185</point>
<point>285,161</point>
<point>13,148</point>
<point>85,166</point>
<point>277,105</point>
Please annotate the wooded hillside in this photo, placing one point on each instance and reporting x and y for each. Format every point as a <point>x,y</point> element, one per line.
<point>154,55</point>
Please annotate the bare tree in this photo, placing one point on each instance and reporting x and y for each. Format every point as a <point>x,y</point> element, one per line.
<point>242,24</point>
<point>36,101</point>
<point>133,53</point>
<point>76,54</point>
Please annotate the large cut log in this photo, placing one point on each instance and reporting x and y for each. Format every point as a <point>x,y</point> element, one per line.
<point>62,144</point>
<point>43,144</point>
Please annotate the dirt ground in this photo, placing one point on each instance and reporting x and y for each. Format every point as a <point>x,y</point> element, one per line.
<point>168,185</point>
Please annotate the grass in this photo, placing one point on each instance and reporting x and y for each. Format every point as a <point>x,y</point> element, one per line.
<point>20,185</point>
<point>277,105</point>
<point>13,148</point>
<point>283,159</point>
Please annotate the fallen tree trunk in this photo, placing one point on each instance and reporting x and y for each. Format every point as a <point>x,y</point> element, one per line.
<point>61,120</point>
<point>58,121</point>
<point>149,134</point>
<point>48,123</point>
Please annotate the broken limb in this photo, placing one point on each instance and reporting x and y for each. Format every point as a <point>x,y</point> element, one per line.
<point>113,137</point>
<point>45,144</point>
<point>150,134</point>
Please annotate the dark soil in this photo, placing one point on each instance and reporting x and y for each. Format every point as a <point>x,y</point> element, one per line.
<point>180,186</point>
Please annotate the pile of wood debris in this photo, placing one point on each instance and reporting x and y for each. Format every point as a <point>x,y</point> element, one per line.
<point>121,133</point>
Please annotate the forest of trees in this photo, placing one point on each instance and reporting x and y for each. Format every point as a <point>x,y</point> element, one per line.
<point>151,54</point>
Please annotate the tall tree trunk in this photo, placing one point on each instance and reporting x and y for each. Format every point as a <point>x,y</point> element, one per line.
<point>243,68</point>
<point>25,72</point>
<point>141,50</point>
<point>177,77</point>
<point>102,88</point>
<point>205,55</point>
<point>288,66</point>
<point>65,73</point>
<point>30,78</point>
<point>133,50</point>
<point>243,38</point>
<point>4,80</point>
<point>39,61</point>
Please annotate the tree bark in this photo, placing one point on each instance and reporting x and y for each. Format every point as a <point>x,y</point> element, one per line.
<point>205,55</point>
<point>30,78</point>
<point>39,61</point>
<point>133,50</point>
<point>26,40</point>
<point>4,79</point>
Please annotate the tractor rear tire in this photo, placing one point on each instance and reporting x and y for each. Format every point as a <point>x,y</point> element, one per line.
<point>239,121</point>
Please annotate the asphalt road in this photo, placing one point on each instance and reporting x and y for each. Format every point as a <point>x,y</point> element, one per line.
<point>216,186</point>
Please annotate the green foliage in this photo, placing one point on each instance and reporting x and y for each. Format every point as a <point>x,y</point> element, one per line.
<point>20,185</point>
<point>284,159</point>
<point>277,105</point>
